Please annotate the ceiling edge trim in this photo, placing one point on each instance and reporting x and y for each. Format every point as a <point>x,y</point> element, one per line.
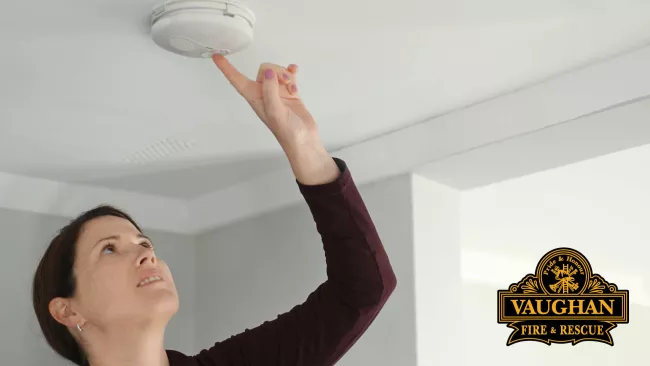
<point>609,131</point>
<point>50,197</point>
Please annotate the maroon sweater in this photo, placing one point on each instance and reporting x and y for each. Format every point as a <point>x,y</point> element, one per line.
<point>322,329</point>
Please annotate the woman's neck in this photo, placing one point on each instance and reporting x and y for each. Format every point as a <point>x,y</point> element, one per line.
<point>127,346</point>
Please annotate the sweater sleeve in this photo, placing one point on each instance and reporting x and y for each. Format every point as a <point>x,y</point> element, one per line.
<point>333,317</point>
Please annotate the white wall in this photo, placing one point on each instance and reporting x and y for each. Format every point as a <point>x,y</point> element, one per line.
<point>254,270</point>
<point>600,207</point>
<point>436,256</point>
<point>25,237</point>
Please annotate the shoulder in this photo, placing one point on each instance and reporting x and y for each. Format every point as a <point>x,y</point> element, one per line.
<point>179,359</point>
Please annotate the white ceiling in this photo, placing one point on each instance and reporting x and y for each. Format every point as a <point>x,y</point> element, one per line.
<point>84,89</point>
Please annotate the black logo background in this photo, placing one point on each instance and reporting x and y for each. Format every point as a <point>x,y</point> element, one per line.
<point>563,302</point>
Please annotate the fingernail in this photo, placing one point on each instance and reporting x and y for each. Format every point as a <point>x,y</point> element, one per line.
<point>294,88</point>
<point>285,76</point>
<point>268,73</point>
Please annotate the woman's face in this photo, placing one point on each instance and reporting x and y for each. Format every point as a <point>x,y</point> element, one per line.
<point>119,278</point>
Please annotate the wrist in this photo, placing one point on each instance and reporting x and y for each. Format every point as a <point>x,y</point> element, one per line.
<point>301,145</point>
<point>311,163</point>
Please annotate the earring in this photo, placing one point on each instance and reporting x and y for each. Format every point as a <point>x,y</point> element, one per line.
<point>78,327</point>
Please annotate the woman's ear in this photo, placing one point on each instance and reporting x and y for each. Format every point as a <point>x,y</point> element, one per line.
<point>61,310</point>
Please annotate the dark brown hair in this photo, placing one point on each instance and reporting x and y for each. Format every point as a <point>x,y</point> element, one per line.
<point>54,277</point>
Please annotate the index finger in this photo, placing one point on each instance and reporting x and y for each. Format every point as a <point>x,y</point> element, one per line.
<point>236,78</point>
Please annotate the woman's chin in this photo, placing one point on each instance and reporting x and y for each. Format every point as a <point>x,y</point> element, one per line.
<point>161,301</point>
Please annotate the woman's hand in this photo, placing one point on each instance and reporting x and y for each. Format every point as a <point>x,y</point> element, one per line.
<point>274,98</point>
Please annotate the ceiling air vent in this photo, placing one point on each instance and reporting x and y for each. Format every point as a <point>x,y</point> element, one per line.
<point>159,151</point>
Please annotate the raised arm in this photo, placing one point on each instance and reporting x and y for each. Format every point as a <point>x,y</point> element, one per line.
<point>359,275</point>
<point>359,281</point>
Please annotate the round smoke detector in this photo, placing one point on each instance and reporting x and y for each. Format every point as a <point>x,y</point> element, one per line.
<point>202,28</point>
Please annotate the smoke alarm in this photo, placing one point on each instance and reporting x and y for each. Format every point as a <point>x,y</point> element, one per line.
<point>202,28</point>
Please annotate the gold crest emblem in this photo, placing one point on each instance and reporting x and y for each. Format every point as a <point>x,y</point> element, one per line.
<point>563,302</point>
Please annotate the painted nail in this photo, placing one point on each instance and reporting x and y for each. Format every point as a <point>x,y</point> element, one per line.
<point>285,76</point>
<point>294,88</point>
<point>268,73</point>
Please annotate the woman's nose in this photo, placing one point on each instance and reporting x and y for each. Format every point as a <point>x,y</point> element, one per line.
<point>147,256</point>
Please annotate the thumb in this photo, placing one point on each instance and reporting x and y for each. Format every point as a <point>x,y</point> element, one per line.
<point>271,94</point>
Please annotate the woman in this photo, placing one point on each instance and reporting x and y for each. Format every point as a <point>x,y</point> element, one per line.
<point>102,297</point>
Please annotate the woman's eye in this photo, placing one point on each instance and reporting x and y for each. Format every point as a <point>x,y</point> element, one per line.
<point>146,244</point>
<point>110,248</point>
